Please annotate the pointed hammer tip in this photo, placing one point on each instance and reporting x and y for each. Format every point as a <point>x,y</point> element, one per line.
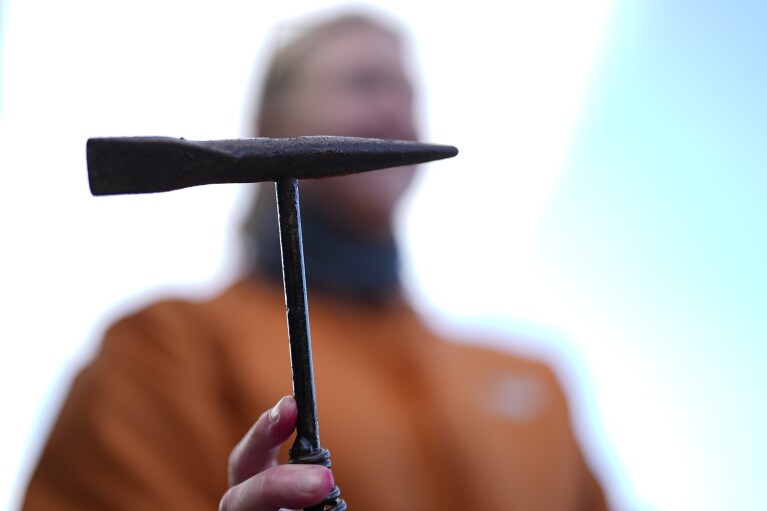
<point>155,164</point>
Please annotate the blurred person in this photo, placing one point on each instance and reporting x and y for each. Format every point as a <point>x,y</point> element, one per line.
<point>413,422</point>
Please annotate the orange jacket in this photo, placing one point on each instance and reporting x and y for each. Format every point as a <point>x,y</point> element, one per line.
<point>412,422</point>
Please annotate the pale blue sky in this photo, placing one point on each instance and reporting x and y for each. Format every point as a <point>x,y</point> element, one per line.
<point>657,231</point>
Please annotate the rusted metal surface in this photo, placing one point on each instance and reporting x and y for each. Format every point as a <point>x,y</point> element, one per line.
<point>306,447</point>
<point>158,164</point>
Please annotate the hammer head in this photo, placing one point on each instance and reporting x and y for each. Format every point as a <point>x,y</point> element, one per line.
<point>160,164</point>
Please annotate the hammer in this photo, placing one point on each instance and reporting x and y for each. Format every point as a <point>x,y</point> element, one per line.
<point>129,165</point>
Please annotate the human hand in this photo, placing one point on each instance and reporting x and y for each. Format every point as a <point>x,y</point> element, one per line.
<point>257,482</point>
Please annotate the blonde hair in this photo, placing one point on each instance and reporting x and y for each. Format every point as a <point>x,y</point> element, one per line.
<point>288,58</point>
<point>280,75</point>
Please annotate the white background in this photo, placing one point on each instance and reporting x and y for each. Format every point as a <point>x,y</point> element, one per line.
<point>606,210</point>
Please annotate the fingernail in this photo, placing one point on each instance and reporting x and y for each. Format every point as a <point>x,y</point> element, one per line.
<point>311,479</point>
<point>274,413</point>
